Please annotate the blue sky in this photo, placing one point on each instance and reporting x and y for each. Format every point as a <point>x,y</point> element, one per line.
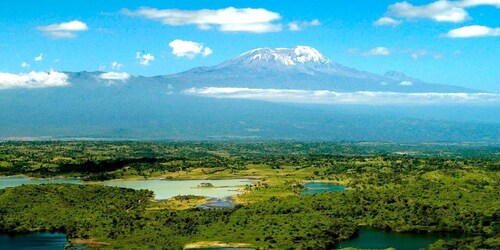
<point>452,42</point>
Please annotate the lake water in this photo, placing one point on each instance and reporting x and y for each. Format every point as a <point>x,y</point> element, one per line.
<point>165,189</point>
<point>6,182</point>
<point>218,204</point>
<point>321,187</point>
<point>42,241</point>
<point>379,239</point>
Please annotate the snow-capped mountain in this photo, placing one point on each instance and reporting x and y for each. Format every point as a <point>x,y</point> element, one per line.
<point>105,105</point>
<point>299,55</point>
<point>301,67</point>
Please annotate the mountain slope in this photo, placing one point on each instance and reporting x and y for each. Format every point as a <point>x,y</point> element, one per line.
<point>145,108</point>
<point>156,108</point>
<point>298,68</point>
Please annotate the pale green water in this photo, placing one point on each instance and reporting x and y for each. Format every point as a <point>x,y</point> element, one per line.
<point>165,189</point>
<point>6,182</point>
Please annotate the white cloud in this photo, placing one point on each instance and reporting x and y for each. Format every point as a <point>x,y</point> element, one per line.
<point>33,80</point>
<point>25,65</point>
<point>144,58</point>
<point>228,19</point>
<point>314,22</point>
<point>207,51</point>
<point>406,83</point>
<point>189,49</point>
<point>297,25</point>
<point>39,58</point>
<point>473,3</point>
<point>416,54</point>
<point>473,31</point>
<point>64,30</point>
<point>119,76</point>
<point>116,65</point>
<point>378,51</point>
<point>294,26</point>
<point>332,97</point>
<point>439,11</point>
<point>385,21</point>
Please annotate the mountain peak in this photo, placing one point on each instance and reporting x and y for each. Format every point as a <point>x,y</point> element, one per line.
<point>395,75</point>
<point>285,56</point>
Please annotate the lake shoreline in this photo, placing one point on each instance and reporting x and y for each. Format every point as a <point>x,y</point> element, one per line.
<point>215,244</point>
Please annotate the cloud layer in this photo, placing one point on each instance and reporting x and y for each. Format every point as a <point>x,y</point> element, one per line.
<point>64,30</point>
<point>33,80</point>
<point>332,97</point>
<point>228,19</point>
<point>189,49</point>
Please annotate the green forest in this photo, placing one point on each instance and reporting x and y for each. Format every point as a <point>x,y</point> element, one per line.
<point>443,188</point>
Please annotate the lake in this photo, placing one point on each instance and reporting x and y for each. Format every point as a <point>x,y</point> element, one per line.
<point>370,238</point>
<point>42,241</point>
<point>218,204</point>
<point>15,181</point>
<point>321,187</point>
<point>163,189</point>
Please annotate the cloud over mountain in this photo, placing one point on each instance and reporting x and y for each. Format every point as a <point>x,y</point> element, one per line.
<point>333,97</point>
<point>119,76</point>
<point>33,80</point>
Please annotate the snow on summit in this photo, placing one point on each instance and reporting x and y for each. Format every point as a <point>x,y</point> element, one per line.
<point>285,56</point>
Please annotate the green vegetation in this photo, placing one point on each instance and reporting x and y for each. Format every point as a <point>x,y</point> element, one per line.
<point>112,160</point>
<point>447,191</point>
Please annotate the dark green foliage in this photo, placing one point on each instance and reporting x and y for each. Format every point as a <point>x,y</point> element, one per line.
<point>411,203</point>
<point>110,160</point>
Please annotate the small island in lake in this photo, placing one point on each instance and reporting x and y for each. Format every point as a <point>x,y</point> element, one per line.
<point>206,185</point>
